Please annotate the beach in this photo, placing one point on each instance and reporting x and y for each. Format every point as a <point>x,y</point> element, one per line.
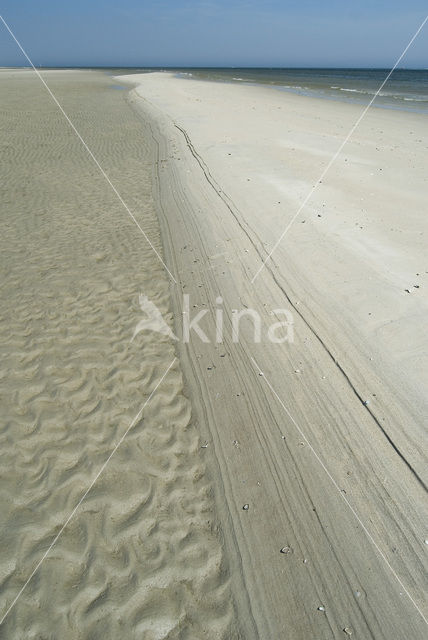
<point>269,488</point>
<point>330,453</point>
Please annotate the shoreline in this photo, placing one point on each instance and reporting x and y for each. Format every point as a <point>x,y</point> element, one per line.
<point>406,89</point>
<point>195,178</point>
<point>306,93</point>
<point>399,94</point>
<point>406,103</point>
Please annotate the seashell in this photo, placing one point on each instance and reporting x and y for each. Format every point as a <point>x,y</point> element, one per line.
<point>285,550</point>
<point>246,507</point>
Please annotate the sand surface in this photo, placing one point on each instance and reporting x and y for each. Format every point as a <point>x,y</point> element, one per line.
<point>327,447</point>
<point>142,556</point>
<point>161,547</point>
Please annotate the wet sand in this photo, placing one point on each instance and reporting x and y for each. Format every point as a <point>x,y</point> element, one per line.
<point>142,556</point>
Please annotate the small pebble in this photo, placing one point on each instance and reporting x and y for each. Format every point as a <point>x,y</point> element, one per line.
<point>366,402</point>
<point>285,550</point>
<point>321,608</point>
<point>246,507</point>
<point>348,631</point>
<point>426,541</point>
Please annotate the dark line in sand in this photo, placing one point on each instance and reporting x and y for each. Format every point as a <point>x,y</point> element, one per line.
<point>227,200</point>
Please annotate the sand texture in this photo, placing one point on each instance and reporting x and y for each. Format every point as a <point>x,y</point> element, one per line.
<point>142,557</point>
<point>327,447</point>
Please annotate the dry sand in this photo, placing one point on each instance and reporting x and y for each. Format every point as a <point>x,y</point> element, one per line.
<point>142,557</point>
<point>233,166</point>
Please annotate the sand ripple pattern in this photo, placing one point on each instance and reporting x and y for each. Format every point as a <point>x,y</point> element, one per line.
<point>141,558</point>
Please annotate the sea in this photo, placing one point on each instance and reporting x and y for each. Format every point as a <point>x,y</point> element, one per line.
<point>405,89</point>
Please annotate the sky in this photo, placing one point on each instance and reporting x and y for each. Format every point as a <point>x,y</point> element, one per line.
<point>273,33</point>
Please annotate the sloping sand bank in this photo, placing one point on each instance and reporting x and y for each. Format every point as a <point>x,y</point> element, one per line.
<point>326,447</point>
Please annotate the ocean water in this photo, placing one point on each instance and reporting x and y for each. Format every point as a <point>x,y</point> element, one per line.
<point>406,89</point>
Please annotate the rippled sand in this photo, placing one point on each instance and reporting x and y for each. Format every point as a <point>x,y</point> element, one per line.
<point>141,558</point>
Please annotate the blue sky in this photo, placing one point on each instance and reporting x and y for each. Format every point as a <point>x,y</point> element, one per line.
<point>214,32</point>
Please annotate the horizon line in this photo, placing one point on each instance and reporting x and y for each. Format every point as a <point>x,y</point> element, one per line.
<point>187,66</point>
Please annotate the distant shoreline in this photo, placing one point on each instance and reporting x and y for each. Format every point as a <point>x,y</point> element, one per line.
<point>406,89</point>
